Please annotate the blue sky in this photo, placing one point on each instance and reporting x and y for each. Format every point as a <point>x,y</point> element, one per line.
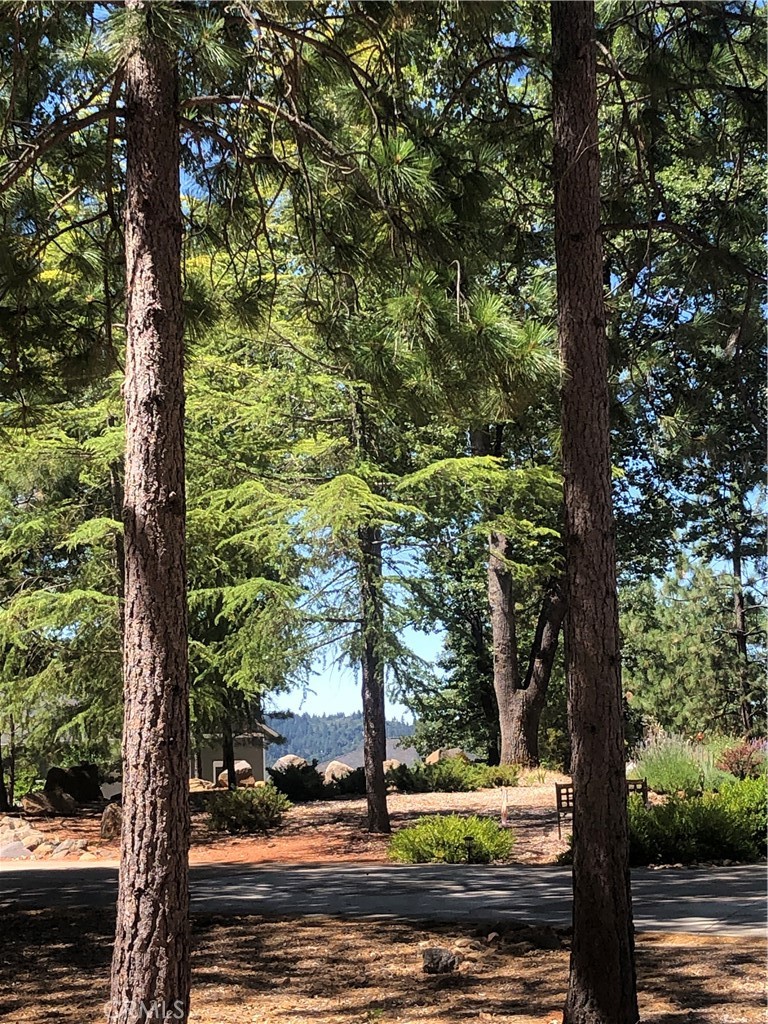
<point>337,688</point>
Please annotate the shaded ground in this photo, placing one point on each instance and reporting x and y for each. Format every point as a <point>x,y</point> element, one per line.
<point>55,967</point>
<point>334,831</point>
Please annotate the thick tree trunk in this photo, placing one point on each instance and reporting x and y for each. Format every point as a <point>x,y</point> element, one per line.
<point>740,623</point>
<point>374,711</point>
<point>150,966</point>
<point>506,679</point>
<point>602,985</point>
<point>518,705</point>
<point>487,696</point>
<point>528,702</point>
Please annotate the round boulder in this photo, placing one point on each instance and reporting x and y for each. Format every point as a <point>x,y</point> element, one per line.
<point>289,761</point>
<point>336,770</point>
<point>243,772</point>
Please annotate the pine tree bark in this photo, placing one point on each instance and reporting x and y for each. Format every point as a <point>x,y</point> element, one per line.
<point>506,679</point>
<point>374,710</point>
<point>529,701</point>
<point>740,624</point>
<point>150,966</point>
<point>518,704</point>
<point>602,984</point>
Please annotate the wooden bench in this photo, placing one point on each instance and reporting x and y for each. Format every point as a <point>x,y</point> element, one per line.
<point>565,804</point>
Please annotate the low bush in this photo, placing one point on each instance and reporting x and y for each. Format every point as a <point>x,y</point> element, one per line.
<point>300,783</point>
<point>451,839</point>
<point>453,775</point>
<point>745,760</point>
<point>352,784</point>
<point>748,800</point>
<point>247,810</point>
<point>687,830</point>
<point>728,825</point>
<point>496,776</point>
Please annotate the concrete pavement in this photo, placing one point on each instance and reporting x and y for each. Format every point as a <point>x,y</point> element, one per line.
<point>728,901</point>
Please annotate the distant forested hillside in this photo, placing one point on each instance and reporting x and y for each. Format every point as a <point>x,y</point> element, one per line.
<point>324,736</point>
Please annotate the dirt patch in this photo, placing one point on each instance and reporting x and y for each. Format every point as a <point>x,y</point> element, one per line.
<point>334,831</point>
<point>55,967</point>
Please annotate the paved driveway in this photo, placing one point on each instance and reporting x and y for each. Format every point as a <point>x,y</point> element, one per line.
<point>728,901</point>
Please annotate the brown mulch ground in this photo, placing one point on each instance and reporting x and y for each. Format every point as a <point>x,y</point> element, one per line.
<point>333,831</point>
<point>55,967</point>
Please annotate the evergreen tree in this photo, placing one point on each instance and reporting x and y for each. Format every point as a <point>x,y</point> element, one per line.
<point>602,985</point>
<point>150,963</point>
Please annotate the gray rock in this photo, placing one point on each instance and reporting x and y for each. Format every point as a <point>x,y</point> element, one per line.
<point>438,960</point>
<point>14,851</point>
<point>111,821</point>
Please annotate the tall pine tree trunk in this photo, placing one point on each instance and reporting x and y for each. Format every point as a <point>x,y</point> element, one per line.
<point>740,624</point>
<point>602,985</point>
<point>374,710</point>
<point>150,967</point>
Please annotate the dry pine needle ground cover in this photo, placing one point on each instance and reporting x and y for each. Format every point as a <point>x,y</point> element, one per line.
<point>54,967</point>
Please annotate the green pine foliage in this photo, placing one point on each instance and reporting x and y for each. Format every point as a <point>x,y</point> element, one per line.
<point>679,661</point>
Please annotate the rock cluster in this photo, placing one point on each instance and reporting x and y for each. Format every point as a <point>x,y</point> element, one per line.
<point>64,790</point>
<point>21,841</point>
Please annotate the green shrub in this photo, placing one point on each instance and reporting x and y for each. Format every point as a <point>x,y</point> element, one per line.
<point>348,785</point>
<point>300,783</point>
<point>247,810</point>
<point>748,800</point>
<point>673,765</point>
<point>454,775</point>
<point>687,830</point>
<point>451,839</point>
<point>496,776</point>
<point>745,760</point>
